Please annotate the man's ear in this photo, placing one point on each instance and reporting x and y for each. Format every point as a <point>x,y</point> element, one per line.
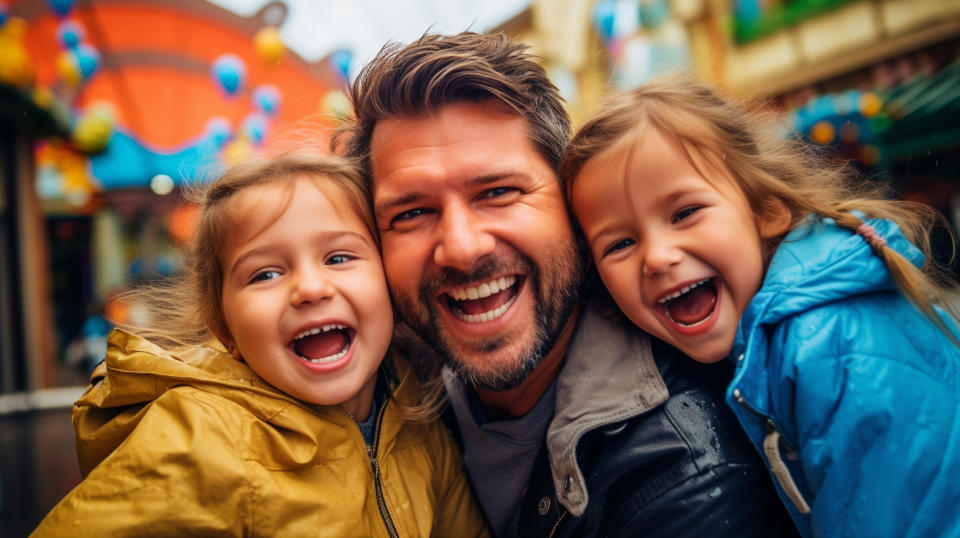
<point>775,218</point>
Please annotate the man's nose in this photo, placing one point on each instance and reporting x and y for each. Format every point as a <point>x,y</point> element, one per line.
<point>463,239</point>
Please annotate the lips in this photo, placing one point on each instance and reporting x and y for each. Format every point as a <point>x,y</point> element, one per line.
<point>323,344</point>
<point>483,302</point>
<point>692,305</point>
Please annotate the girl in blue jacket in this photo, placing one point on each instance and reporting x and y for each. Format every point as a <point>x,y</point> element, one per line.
<point>726,240</point>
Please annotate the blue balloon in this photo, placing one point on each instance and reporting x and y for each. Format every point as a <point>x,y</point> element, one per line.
<point>218,131</point>
<point>255,128</point>
<point>229,73</point>
<point>3,14</point>
<point>70,34</point>
<point>88,60</point>
<point>266,98</point>
<point>62,7</point>
<point>341,61</point>
<point>604,15</point>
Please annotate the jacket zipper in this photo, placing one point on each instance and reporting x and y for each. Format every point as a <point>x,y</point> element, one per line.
<point>556,524</point>
<point>372,454</point>
<point>771,450</point>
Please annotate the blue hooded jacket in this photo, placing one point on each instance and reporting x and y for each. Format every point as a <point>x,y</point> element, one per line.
<point>849,391</point>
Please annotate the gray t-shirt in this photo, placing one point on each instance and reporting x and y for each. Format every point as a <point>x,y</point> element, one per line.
<point>499,456</point>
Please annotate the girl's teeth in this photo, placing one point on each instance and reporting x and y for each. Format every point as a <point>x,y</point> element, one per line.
<point>318,330</point>
<point>685,289</point>
<point>332,358</point>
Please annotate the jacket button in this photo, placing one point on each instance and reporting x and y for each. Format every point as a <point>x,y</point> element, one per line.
<point>740,358</point>
<point>566,483</point>
<point>543,506</point>
<point>736,394</point>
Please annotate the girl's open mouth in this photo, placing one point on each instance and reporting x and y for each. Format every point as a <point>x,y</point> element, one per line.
<point>691,306</point>
<point>323,345</point>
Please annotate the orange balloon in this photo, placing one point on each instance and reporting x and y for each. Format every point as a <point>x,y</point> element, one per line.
<point>269,45</point>
<point>823,132</point>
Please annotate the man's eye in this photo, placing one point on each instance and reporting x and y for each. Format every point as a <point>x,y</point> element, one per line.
<point>337,259</point>
<point>685,212</point>
<point>410,214</point>
<point>498,191</point>
<point>619,245</point>
<point>265,275</point>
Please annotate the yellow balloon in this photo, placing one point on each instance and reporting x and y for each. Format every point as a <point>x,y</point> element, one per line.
<point>93,131</point>
<point>237,151</point>
<point>68,69</point>
<point>269,45</point>
<point>823,132</point>
<point>337,104</point>
<point>869,104</point>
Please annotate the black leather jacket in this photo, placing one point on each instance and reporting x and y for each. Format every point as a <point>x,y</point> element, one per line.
<point>683,468</point>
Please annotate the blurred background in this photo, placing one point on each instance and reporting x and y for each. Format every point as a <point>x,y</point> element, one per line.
<point>108,107</point>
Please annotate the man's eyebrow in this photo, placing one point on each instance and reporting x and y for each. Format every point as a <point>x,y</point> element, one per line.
<point>413,196</point>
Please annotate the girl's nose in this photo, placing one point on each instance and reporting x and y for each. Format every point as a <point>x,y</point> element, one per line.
<point>660,255</point>
<point>311,286</point>
<point>463,240</point>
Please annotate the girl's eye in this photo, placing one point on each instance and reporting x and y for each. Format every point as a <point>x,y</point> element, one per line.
<point>264,276</point>
<point>619,245</point>
<point>337,259</point>
<point>685,212</point>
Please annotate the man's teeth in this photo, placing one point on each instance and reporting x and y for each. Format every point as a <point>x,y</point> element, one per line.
<point>318,330</point>
<point>485,316</point>
<point>685,289</point>
<point>483,290</point>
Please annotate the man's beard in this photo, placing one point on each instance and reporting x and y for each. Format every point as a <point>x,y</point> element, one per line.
<point>554,301</point>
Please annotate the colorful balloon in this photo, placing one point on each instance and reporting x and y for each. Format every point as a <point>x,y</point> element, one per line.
<point>70,33</point>
<point>218,131</point>
<point>68,69</point>
<point>266,98</point>
<point>93,130</point>
<point>255,128</point>
<point>229,72</point>
<point>337,104</point>
<point>268,44</point>
<point>61,7</point>
<point>341,62</point>
<point>88,60</point>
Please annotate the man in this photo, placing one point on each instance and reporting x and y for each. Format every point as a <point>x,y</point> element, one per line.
<point>572,423</point>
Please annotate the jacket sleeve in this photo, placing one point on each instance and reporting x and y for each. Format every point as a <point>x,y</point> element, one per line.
<point>177,473</point>
<point>878,434</point>
<point>458,512</point>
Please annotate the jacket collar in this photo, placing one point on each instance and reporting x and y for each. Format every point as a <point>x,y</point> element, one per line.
<point>609,376</point>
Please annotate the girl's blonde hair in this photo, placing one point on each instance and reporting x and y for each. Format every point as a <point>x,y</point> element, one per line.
<point>188,310</point>
<point>773,171</point>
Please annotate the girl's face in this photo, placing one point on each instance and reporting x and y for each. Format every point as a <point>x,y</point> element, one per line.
<point>304,295</point>
<point>680,254</point>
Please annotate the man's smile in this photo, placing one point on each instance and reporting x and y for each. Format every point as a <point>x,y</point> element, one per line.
<point>484,302</point>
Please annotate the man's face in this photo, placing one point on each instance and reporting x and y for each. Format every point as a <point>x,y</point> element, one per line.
<point>477,244</point>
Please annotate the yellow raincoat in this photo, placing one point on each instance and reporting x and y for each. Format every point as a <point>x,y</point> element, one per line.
<point>200,445</point>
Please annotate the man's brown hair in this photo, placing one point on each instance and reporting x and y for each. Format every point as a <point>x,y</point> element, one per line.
<point>437,70</point>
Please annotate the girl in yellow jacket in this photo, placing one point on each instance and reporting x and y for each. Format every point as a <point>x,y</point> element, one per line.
<point>295,425</point>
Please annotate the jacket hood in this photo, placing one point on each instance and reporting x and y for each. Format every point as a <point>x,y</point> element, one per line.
<point>803,274</point>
